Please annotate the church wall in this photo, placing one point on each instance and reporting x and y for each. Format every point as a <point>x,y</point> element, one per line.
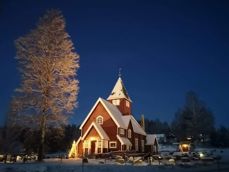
<point>108,125</point>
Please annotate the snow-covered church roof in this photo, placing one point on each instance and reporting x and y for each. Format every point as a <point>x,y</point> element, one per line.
<point>120,120</point>
<point>119,91</point>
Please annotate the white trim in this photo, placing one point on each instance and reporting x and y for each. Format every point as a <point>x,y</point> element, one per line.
<point>129,133</point>
<point>124,141</point>
<point>99,129</point>
<point>77,142</point>
<point>88,146</point>
<point>101,146</point>
<point>118,125</point>
<point>89,114</point>
<point>142,132</point>
<point>115,142</point>
<point>98,118</point>
<point>116,102</point>
<point>105,144</point>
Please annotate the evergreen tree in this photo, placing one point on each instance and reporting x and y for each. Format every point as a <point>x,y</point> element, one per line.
<point>48,64</point>
<point>194,119</point>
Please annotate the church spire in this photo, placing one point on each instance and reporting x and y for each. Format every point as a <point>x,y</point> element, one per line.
<point>120,98</point>
<point>119,90</point>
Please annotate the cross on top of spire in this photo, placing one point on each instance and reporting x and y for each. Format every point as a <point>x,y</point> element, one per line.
<point>119,90</point>
<point>119,72</point>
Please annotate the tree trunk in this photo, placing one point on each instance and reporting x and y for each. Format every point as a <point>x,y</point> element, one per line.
<point>42,139</point>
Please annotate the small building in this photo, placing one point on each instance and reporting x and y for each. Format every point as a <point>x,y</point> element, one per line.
<point>161,138</point>
<point>151,143</point>
<point>185,146</point>
<point>110,126</point>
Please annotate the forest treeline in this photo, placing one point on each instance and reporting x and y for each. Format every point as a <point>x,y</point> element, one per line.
<point>194,120</point>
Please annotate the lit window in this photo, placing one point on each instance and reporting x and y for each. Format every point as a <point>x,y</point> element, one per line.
<point>85,144</point>
<point>127,104</point>
<point>113,144</point>
<point>99,120</point>
<point>122,131</point>
<point>99,144</point>
<point>136,144</point>
<point>116,102</point>
<point>129,133</point>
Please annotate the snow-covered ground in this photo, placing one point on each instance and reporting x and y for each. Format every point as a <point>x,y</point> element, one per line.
<point>62,167</point>
<point>100,165</point>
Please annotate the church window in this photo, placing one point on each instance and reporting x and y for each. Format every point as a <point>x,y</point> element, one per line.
<point>129,133</point>
<point>113,144</point>
<point>122,131</point>
<point>99,120</point>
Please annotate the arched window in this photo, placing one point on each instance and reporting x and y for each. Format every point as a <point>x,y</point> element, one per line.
<point>99,120</point>
<point>129,133</point>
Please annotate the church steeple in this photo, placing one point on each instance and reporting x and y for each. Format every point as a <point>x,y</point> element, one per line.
<point>120,97</point>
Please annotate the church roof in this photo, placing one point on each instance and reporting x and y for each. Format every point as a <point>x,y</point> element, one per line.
<point>119,91</point>
<point>151,139</point>
<point>99,129</point>
<point>124,141</point>
<point>136,126</point>
<point>113,111</point>
<point>120,120</point>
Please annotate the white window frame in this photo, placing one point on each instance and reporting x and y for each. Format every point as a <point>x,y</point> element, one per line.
<point>99,143</point>
<point>116,102</point>
<point>97,120</point>
<point>129,133</point>
<point>136,144</point>
<point>112,142</point>
<point>121,131</point>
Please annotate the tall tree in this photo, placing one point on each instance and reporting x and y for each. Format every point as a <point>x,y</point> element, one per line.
<point>48,64</point>
<point>194,119</point>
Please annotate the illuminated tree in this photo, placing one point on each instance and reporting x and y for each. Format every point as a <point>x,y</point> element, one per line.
<point>48,64</point>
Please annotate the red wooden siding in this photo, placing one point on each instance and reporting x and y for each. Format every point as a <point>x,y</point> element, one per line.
<point>122,107</point>
<point>108,125</point>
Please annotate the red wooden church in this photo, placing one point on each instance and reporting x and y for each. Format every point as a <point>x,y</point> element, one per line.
<point>110,126</point>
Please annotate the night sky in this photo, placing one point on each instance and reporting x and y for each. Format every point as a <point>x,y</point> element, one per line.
<point>165,48</point>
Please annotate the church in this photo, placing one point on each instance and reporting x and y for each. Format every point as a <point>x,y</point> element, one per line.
<point>110,126</point>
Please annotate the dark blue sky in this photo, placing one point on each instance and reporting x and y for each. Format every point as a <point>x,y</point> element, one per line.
<point>165,48</point>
